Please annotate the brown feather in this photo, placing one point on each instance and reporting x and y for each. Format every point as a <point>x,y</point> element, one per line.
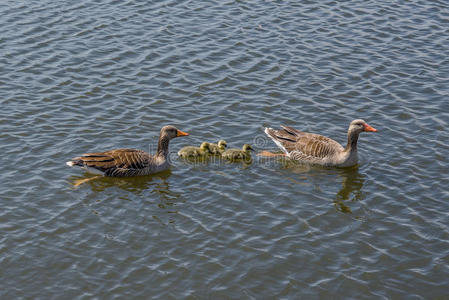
<point>303,144</point>
<point>108,161</point>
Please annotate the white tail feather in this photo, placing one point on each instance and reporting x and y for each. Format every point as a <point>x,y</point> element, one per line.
<point>276,142</point>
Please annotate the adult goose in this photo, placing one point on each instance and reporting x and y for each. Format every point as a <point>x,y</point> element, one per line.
<point>129,162</point>
<point>318,149</point>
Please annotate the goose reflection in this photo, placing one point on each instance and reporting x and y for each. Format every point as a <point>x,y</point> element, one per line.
<point>155,188</point>
<point>351,189</point>
<point>351,181</point>
<point>156,182</point>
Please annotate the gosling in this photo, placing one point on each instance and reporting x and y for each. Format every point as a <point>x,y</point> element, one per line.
<point>218,149</point>
<point>192,151</point>
<point>238,154</point>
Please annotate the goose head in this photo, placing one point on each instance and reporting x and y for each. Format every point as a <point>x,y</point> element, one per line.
<point>355,128</point>
<point>358,126</point>
<point>172,132</point>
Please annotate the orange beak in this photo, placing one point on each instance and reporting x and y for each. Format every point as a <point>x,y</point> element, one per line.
<point>369,128</point>
<point>181,133</point>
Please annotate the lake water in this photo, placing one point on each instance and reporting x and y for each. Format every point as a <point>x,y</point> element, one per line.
<point>87,76</point>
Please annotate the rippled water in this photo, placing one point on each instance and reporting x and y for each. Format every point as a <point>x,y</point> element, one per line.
<point>94,75</point>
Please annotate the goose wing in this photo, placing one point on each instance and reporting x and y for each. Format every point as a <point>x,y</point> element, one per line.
<point>302,145</point>
<point>114,162</point>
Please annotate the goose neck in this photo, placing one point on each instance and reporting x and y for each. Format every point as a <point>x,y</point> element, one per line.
<point>353,137</point>
<point>162,146</point>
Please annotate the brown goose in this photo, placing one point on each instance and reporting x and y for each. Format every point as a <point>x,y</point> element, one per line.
<point>318,149</point>
<point>129,162</point>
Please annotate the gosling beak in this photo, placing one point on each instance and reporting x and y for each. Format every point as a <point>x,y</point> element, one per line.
<point>181,133</point>
<point>369,128</point>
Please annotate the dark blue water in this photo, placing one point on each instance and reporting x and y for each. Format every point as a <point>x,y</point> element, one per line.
<point>86,76</point>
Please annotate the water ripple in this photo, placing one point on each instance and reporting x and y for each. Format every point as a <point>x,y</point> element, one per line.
<point>84,76</point>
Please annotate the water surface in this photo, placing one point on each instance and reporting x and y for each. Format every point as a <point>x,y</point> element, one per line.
<point>90,76</point>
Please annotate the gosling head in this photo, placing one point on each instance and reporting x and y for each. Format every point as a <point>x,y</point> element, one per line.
<point>205,147</point>
<point>222,144</point>
<point>247,148</point>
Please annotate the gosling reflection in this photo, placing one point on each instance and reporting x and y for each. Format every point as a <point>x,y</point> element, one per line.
<point>135,185</point>
<point>351,189</point>
<point>214,160</point>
